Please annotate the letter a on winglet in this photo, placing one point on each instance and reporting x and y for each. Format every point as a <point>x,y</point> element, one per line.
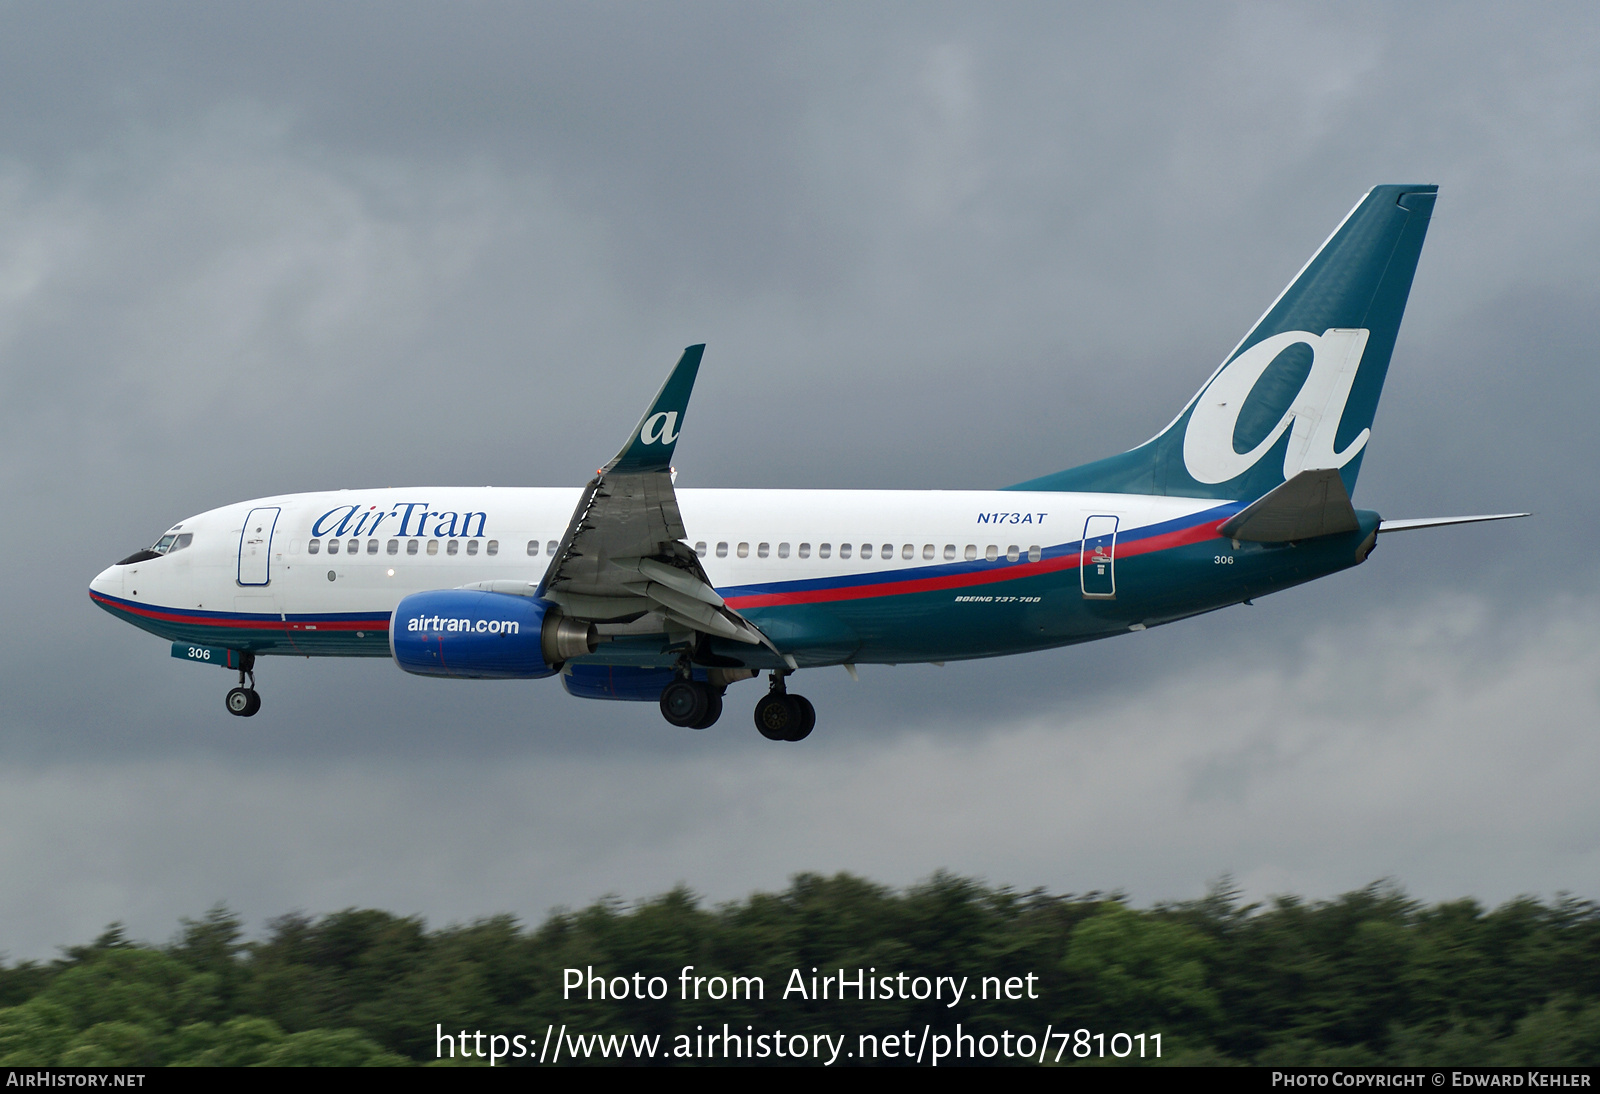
<point>650,447</point>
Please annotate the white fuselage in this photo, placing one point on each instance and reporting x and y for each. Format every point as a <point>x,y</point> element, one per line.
<point>361,551</point>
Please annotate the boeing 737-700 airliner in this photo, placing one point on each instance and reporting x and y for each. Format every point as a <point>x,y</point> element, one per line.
<point>630,589</point>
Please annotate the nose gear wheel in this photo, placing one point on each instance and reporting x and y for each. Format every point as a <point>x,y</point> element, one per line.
<point>243,701</point>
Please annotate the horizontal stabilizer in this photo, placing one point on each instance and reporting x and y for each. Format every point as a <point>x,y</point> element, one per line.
<point>1313,503</point>
<point>1436,522</point>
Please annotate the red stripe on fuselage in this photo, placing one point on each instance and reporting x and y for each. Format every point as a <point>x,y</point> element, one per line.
<point>240,622</point>
<point>1182,537</point>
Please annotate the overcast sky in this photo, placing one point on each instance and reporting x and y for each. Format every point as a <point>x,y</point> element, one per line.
<point>256,249</point>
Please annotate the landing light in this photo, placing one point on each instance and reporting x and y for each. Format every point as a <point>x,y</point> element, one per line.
<point>391,573</point>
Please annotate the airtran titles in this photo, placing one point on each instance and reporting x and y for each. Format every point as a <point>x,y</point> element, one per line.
<point>410,518</point>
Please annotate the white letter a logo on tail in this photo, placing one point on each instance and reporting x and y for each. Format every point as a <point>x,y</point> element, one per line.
<point>660,428</point>
<point>1208,451</point>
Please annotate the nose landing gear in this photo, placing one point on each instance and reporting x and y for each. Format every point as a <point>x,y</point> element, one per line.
<point>784,717</point>
<point>242,701</point>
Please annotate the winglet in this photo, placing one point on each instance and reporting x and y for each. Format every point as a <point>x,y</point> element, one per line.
<point>650,447</point>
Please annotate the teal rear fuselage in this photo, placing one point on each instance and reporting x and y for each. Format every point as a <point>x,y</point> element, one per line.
<point>1010,608</point>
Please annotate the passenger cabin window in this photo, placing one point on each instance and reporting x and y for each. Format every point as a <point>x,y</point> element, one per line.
<point>472,546</point>
<point>313,547</point>
<point>551,545</point>
<point>908,551</point>
<point>372,546</point>
<point>411,546</point>
<point>1013,553</point>
<point>949,550</point>
<point>744,550</point>
<point>394,547</point>
<point>972,552</point>
<point>700,548</point>
<point>353,547</point>
<point>783,550</point>
<point>866,550</point>
<point>1035,553</point>
<point>493,548</point>
<point>844,550</point>
<point>433,546</point>
<point>763,550</point>
<point>333,546</point>
<point>927,550</point>
<point>452,547</point>
<point>824,550</point>
<point>805,550</point>
<point>722,549</point>
<point>991,552</point>
<point>533,547</point>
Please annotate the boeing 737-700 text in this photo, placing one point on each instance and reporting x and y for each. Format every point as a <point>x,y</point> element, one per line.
<point>631,589</point>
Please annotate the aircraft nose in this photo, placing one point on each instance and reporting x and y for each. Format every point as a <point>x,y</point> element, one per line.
<point>108,582</point>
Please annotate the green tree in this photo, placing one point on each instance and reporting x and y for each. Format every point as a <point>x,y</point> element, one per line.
<point>1140,973</point>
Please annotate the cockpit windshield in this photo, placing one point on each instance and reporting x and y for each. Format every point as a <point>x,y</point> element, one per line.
<point>172,541</point>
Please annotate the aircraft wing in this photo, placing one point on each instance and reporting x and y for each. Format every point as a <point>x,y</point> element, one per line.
<point>623,553</point>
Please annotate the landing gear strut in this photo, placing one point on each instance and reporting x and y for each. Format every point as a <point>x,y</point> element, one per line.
<point>242,701</point>
<point>784,717</point>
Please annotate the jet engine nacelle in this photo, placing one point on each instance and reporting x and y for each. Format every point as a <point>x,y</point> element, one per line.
<point>471,634</point>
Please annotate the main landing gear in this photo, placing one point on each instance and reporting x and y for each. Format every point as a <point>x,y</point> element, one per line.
<point>692,703</point>
<point>697,704</point>
<point>784,717</point>
<point>242,701</point>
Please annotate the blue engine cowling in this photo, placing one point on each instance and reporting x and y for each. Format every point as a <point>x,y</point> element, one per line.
<point>473,634</point>
<point>625,682</point>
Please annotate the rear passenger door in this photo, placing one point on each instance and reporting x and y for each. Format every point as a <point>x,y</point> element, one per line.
<point>1098,569</point>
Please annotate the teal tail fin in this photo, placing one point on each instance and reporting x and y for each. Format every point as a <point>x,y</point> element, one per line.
<point>1299,392</point>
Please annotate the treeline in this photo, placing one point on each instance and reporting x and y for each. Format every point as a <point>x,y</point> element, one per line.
<point>1371,977</point>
